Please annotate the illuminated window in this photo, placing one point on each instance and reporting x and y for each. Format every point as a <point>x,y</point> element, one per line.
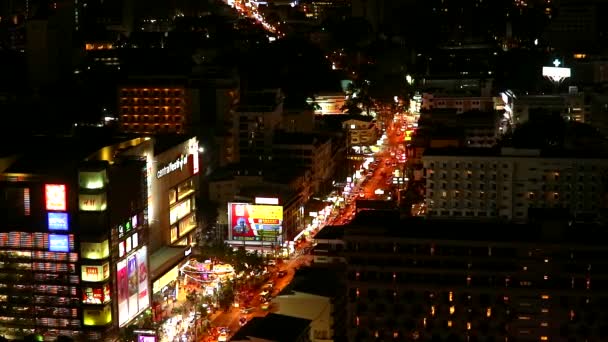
<point>26,202</point>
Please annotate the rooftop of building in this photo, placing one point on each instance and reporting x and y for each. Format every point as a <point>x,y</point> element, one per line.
<point>330,233</point>
<point>53,153</point>
<point>271,172</point>
<point>544,135</point>
<point>299,138</point>
<point>44,153</point>
<point>273,327</point>
<point>285,195</point>
<point>317,281</point>
<point>259,101</point>
<point>548,226</point>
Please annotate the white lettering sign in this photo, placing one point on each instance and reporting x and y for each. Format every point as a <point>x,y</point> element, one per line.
<point>178,164</point>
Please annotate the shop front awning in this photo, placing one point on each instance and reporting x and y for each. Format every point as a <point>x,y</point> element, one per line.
<point>164,259</point>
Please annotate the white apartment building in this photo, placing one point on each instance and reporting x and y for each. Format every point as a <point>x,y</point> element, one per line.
<point>506,183</point>
<point>461,104</point>
<point>571,106</point>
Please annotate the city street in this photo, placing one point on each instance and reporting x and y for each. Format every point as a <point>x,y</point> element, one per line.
<point>375,183</point>
<point>231,318</point>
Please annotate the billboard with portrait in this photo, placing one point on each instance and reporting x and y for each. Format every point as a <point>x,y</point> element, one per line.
<point>132,285</point>
<point>122,288</point>
<point>255,222</point>
<point>143,297</point>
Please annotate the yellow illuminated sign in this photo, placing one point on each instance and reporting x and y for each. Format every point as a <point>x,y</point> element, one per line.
<point>267,212</point>
<point>95,250</point>
<point>92,317</point>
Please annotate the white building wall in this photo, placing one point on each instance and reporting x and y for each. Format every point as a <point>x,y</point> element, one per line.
<point>507,186</point>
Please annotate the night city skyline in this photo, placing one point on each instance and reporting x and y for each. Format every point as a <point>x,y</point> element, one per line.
<point>303,170</point>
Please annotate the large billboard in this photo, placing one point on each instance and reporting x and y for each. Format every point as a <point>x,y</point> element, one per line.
<point>132,285</point>
<point>255,222</point>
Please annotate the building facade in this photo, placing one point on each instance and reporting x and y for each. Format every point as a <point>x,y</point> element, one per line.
<point>74,242</point>
<point>444,280</point>
<point>507,183</point>
<point>154,107</point>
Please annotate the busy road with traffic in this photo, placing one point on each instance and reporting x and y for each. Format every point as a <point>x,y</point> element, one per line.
<point>376,182</point>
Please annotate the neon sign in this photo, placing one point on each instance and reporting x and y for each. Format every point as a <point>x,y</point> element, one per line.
<point>178,164</point>
<point>57,221</point>
<point>58,243</point>
<point>55,196</point>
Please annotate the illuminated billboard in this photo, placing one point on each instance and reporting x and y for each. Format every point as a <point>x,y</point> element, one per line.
<point>87,202</point>
<point>55,197</point>
<point>255,222</point>
<point>59,243</point>
<point>95,273</point>
<point>132,286</point>
<point>57,221</point>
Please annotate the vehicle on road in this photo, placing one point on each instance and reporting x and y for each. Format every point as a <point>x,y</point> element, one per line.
<point>265,306</point>
<point>242,321</point>
<point>247,310</point>
<point>281,274</point>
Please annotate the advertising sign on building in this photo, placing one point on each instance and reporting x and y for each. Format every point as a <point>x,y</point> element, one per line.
<point>132,286</point>
<point>177,165</point>
<point>55,197</point>
<point>143,300</point>
<point>59,243</point>
<point>255,222</point>
<point>57,221</point>
<point>122,289</point>
<point>87,202</point>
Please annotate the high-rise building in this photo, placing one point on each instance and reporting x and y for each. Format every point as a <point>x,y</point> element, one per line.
<point>154,107</point>
<point>256,118</point>
<point>93,229</point>
<point>73,239</point>
<point>417,279</point>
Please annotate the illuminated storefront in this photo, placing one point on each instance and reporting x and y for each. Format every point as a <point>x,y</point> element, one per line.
<point>174,189</point>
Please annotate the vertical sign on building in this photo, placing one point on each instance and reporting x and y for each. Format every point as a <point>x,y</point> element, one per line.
<point>122,289</point>
<point>55,200</point>
<point>133,284</point>
<point>193,151</point>
<point>142,273</point>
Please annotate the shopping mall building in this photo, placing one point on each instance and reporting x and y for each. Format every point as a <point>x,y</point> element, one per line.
<point>87,226</point>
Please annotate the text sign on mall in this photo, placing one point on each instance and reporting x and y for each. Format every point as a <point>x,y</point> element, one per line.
<point>178,164</point>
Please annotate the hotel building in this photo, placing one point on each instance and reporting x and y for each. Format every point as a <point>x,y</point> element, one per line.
<point>507,182</point>
<point>446,280</point>
<point>154,107</point>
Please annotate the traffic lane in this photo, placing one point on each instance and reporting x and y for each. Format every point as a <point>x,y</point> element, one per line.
<point>232,318</point>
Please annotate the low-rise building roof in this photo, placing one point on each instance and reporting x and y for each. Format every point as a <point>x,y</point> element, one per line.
<point>273,327</point>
